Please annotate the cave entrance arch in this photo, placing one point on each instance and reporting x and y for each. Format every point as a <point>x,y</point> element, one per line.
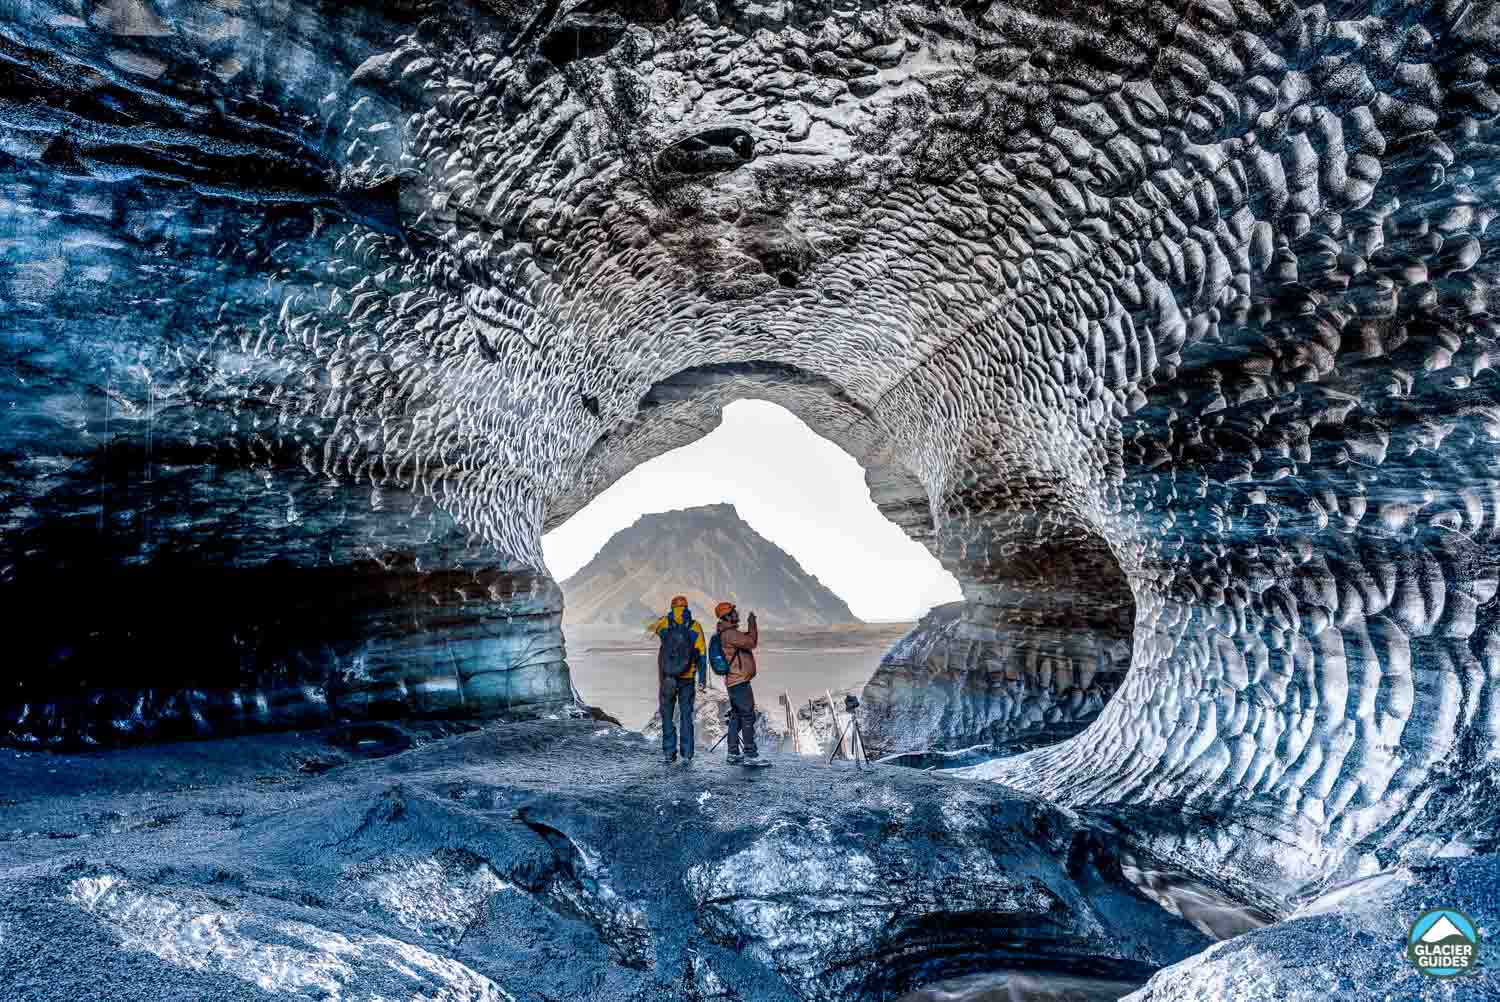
<point>1029,652</point>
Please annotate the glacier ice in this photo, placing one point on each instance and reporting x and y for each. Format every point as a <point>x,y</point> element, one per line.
<point>318,315</point>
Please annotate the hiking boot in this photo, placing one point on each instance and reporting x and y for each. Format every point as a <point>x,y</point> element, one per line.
<point>755,762</point>
<point>687,762</point>
<point>669,757</point>
<point>735,758</point>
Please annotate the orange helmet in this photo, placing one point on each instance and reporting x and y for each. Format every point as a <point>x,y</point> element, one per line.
<point>723,609</point>
<point>679,601</point>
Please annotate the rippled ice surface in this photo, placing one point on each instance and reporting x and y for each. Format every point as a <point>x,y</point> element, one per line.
<point>1012,986</point>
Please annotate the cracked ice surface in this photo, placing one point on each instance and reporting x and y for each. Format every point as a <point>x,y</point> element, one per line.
<point>284,957</point>
<point>433,896</point>
<point>1179,309</point>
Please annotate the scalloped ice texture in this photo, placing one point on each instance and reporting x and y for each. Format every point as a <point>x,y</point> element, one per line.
<point>1200,287</point>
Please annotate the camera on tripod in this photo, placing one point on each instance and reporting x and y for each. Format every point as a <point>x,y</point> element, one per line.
<point>856,740</point>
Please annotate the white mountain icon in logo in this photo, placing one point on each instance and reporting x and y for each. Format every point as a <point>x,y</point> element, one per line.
<point>1442,929</point>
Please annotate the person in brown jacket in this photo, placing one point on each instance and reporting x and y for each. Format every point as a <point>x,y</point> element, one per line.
<point>739,651</point>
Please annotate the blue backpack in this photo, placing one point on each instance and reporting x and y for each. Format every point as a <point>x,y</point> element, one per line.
<point>716,659</point>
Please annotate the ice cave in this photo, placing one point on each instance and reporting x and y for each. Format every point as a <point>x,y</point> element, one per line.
<point>1163,324</point>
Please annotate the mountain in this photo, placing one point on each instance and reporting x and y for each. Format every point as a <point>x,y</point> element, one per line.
<point>1443,929</point>
<point>708,554</point>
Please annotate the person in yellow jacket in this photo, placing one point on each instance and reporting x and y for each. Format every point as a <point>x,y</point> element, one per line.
<point>683,654</point>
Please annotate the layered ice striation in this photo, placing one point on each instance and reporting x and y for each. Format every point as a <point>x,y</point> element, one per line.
<point>317,315</point>
<point>988,679</point>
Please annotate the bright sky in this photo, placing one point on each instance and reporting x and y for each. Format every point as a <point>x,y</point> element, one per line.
<point>801,492</point>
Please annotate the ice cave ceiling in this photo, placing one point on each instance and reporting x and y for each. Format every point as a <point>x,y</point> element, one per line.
<point>1161,324</point>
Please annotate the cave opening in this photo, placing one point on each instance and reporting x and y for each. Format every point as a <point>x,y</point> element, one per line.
<point>794,487</point>
<point>761,511</point>
<point>1025,654</point>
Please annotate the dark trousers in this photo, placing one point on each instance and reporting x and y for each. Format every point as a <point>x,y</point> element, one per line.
<point>676,703</point>
<point>742,720</point>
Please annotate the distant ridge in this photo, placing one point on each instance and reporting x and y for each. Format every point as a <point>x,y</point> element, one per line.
<point>708,554</point>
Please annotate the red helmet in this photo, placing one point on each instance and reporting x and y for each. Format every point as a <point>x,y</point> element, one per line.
<point>723,609</point>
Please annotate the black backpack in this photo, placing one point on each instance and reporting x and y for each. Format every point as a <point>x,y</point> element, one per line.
<point>677,646</point>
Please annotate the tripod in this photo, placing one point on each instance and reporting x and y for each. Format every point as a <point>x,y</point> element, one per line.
<point>717,743</point>
<point>857,742</point>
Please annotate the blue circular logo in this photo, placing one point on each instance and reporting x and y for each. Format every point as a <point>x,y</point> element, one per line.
<point>1443,943</point>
